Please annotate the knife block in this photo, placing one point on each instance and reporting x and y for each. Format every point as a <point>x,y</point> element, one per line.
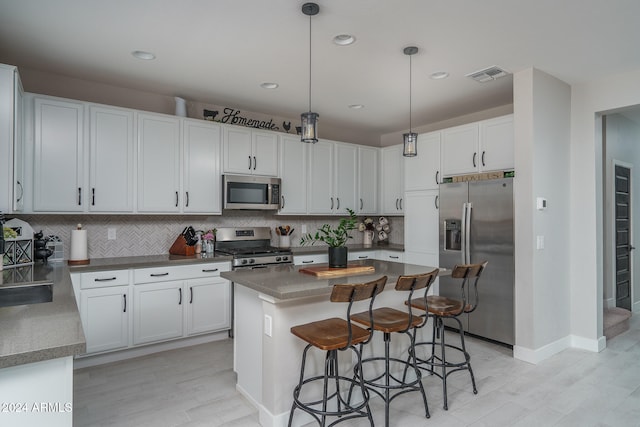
<point>180,247</point>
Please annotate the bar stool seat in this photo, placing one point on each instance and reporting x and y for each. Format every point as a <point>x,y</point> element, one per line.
<point>440,308</point>
<point>332,336</point>
<point>389,320</point>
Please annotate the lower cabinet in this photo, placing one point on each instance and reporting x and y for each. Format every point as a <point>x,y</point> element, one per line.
<point>208,307</point>
<point>105,318</point>
<point>157,312</point>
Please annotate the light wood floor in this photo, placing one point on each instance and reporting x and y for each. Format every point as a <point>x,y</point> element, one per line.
<point>196,387</point>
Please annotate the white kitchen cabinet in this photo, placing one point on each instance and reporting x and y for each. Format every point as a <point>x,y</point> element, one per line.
<point>209,305</point>
<point>250,152</point>
<point>11,140</point>
<point>202,177</point>
<point>105,318</point>
<point>391,180</point>
<point>158,163</point>
<point>293,174</point>
<point>367,203</point>
<point>496,144</point>
<point>360,255</point>
<point>345,180</point>
<point>422,172</point>
<point>157,311</point>
<point>112,158</point>
<point>311,259</point>
<point>388,255</point>
<point>421,217</point>
<point>478,147</point>
<point>58,156</point>
<point>320,197</point>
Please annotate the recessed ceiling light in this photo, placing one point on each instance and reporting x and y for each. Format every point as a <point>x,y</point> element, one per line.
<point>439,75</point>
<point>344,39</point>
<point>267,85</point>
<point>141,54</point>
<point>356,106</point>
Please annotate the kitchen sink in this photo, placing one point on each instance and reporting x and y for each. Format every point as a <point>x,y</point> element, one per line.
<point>29,293</point>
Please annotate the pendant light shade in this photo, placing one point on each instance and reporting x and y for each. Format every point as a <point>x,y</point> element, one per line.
<point>309,120</point>
<point>410,147</point>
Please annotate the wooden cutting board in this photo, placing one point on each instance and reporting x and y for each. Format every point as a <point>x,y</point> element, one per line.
<point>338,272</point>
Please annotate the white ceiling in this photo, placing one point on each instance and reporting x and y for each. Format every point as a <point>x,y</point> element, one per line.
<point>219,51</point>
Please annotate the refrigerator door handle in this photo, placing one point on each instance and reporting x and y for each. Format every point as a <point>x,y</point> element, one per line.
<point>463,237</point>
<point>467,235</point>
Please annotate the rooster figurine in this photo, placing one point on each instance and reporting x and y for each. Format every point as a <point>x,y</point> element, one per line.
<point>286,126</point>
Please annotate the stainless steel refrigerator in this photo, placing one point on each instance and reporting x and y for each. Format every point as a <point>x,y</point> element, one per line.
<point>476,224</point>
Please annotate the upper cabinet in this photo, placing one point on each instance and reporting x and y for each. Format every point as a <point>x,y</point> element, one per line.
<point>332,184</point>
<point>158,163</point>
<point>111,162</point>
<point>478,147</point>
<point>58,156</point>
<point>367,203</point>
<point>345,185</point>
<point>202,177</point>
<point>293,173</point>
<point>11,140</point>
<point>392,180</point>
<point>422,172</point>
<point>250,152</point>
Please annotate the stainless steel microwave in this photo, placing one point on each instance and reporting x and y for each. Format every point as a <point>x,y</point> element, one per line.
<point>250,192</point>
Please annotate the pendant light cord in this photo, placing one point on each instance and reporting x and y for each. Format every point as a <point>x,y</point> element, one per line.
<point>410,67</point>
<point>309,63</point>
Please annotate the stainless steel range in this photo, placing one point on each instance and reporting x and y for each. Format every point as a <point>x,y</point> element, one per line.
<point>250,247</point>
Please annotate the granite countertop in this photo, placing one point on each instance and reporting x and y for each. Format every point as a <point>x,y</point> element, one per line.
<point>322,249</point>
<point>121,263</point>
<point>286,282</point>
<point>36,332</point>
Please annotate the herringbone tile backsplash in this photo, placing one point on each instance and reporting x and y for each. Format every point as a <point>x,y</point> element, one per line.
<point>138,235</point>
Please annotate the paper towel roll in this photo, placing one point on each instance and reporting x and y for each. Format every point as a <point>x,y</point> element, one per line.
<point>79,246</point>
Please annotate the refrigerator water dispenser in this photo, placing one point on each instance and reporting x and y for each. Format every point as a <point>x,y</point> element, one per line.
<point>452,235</point>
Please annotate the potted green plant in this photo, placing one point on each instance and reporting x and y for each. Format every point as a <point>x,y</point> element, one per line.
<point>335,237</point>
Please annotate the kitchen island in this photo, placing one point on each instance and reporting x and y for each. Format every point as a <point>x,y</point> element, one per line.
<point>268,302</point>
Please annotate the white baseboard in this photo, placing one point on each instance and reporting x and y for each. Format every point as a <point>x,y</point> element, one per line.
<point>84,361</point>
<point>609,303</point>
<point>536,356</point>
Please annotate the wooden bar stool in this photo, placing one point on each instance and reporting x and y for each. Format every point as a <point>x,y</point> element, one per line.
<point>388,320</point>
<point>334,335</point>
<point>440,308</point>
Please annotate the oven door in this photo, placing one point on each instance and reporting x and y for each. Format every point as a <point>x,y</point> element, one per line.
<point>251,192</point>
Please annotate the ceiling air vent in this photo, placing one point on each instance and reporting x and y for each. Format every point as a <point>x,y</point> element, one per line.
<point>488,74</point>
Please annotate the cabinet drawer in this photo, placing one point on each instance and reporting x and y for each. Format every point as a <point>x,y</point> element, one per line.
<point>208,270</point>
<point>355,256</point>
<point>182,272</point>
<point>311,259</point>
<point>104,279</point>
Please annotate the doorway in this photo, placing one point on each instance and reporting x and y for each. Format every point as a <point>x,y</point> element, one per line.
<point>623,240</point>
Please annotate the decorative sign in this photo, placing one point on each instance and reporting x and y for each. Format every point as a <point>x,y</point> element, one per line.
<point>233,116</point>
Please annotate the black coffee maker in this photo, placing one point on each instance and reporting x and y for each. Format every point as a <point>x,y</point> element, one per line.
<point>40,247</point>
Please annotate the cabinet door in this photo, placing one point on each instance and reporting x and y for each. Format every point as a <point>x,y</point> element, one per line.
<point>209,305</point>
<point>265,153</point>
<point>158,163</point>
<point>157,311</point>
<point>346,178</point>
<point>460,150</point>
<point>311,259</point>
<point>105,318</point>
<point>393,256</point>
<point>59,156</point>
<point>293,173</point>
<point>320,198</point>
<point>422,172</point>
<point>111,164</point>
<point>238,157</point>
<point>202,192</point>
<point>391,180</point>
<point>496,144</point>
<point>367,181</point>
<point>421,221</point>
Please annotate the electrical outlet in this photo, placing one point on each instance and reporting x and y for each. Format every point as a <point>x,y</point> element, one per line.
<point>304,228</point>
<point>268,325</point>
<point>540,242</point>
<point>111,233</point>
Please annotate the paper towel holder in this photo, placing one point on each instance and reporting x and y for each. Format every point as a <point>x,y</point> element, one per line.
<point>79,252</point>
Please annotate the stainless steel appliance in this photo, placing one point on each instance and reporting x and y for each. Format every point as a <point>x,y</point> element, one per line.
<point>250,247</point>
<point>251,192</point>
<point>476,224</point>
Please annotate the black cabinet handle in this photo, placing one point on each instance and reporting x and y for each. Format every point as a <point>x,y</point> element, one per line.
<point>211,270</point>
<point>397,204</point>
<point>108,279</point>
<point>338,207</point>
<point>93,197</point>
<point>474,159</point>
<point>282,207</point>
<point>176,199</point>
<point>483,158</point>
<point>249,162</point>
<point>79,196</point>
<point>158,274</point>
<point>180,292</point>
<point>332,203</point>
<point>187,201</point>
<point>394,257</point>
<point>436,202</point>
<point>21,191</point>
<point>255,163</point>
<point>437,173</point>
<point>124,298</point>
<point>307,262</point>
<point>190,294</point>
<point>361,204</point>
<point>400,204</point>
<point>363,257</point>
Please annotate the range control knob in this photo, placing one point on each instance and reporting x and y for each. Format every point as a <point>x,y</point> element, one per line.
<point>244,261</point>
<point>285,258</point>
<point>251,261</point>
<point>278,258</point>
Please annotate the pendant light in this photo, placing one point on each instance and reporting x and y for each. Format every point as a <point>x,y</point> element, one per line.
<point>411,138</point>
<point>309,119</point>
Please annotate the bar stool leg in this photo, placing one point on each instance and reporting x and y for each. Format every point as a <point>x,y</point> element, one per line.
<point>466,355</point>
<point>444,363</point>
